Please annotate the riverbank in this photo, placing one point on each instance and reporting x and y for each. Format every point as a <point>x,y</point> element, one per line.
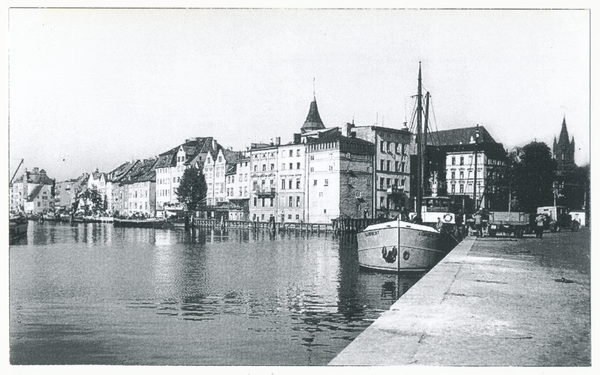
<point>490,302</point>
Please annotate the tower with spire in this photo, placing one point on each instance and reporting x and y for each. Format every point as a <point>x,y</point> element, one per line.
<point>313,120</point>
<point>563,151</point>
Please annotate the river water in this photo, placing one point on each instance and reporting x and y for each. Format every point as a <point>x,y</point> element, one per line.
<point>95,294</point>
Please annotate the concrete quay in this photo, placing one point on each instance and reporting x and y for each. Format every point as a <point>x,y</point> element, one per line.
<point>490,302</point>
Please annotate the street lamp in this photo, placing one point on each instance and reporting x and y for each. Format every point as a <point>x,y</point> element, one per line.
<point>475,172</point>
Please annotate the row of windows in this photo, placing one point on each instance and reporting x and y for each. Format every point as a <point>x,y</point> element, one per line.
<point>290,202</point>
<point>461,188</point>
<point>165,181</point>
<point>389,147</point>
<point>290,153</point>
<point>385,165</point>
<point>387,183</point>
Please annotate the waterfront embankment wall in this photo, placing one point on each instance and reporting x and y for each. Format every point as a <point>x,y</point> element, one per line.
<point>490,302</point>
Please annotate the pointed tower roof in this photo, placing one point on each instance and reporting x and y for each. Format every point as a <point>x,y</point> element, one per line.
<point>313,120</point>
<point>563,138</point>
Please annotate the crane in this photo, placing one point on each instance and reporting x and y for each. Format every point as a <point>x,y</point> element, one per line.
<point>13,177</point>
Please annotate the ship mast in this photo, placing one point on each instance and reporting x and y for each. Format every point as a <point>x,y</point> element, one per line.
<point>419,149</point>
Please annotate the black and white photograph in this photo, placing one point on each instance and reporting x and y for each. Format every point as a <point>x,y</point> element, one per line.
<point>276,186</point>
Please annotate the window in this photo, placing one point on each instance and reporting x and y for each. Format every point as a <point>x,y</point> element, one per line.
<point>272,166</point>
<point>297,183</point>
<point>297,165</point>
<point>283,184</point>
<point>453,160</point>
<point>297,201</point>
<point>382,164</point>
<point>388,165</point>
<point>382,202</point>
<point>264,167</point>
<point>291,166</point>
<point>312,157</point>
<point>291,201</point>
<point>462,160</point>
<point>315,183</point>
<point>453,175</point>
<point>402,166</point>
<point>271,202</point>
<point>387,182</point>
<point>382,146</point>
<point>312,169</point>
<point>263,202</point>
<point>453,188</point>
<point>326,182</point>
<point>255,168</point>
<point>283,166</point>
<point>462,174</point>
<point>290,184</point>
<point>298,152</point>
<point>297,217</point>
<point>290,216</point>
<point>381,181</point>
<point>462,188</point>
<point>291,153</point>
<point>396,165</point>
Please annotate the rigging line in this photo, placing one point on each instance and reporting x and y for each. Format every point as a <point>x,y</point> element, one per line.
<point>435,120</point>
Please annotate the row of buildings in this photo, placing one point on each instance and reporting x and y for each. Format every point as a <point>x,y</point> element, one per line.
<point>322,174</point>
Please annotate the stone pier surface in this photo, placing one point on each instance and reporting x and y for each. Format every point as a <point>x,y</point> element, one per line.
<point>491,302</point>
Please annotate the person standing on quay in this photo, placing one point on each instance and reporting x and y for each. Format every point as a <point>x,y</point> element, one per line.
<point>477,218</point>
<point>539,226</point>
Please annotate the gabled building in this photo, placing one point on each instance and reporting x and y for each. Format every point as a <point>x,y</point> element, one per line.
<point>66,191</point>
<point>139,189</point>
<point>563,151</point>
<point>170,167</point>
<point>238,189</point>
<point>114,190</point>
<point>25,196</point>
<point>215,170</point>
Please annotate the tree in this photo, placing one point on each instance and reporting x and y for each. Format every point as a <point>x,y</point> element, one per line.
<point>532,176</point>
<point>91,200</point>
<point>192,189</point>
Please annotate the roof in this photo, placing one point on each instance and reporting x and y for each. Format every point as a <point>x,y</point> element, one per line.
<point>346,144</point>
<point>143,170</point>
<point>119,172</point>
<point>313,120</point>
<point>461,136</point>
<point>191,147</point>
<point>34,193</point>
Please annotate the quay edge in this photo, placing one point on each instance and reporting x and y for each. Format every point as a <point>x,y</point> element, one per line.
<point>490,302</point>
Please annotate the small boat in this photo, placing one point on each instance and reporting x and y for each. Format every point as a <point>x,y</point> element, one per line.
<point>17,227</point>
<point>142,223</point>
<point>398,245</point>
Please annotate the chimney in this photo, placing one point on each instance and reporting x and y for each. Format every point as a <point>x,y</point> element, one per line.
<point>297,138</point>
<point>277,141</point>
<point>346,129</point>
<point>214,144</point>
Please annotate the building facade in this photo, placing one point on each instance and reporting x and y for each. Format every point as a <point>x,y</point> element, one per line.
<point>391,166</point>
<point>339,177</point>
<point>456,176</point>
<point>170,167</point>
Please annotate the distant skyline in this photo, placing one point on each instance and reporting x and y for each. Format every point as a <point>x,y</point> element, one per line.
<point>93,88</point>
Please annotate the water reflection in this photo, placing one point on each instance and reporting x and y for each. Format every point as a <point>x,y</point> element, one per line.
<point>217,297</point>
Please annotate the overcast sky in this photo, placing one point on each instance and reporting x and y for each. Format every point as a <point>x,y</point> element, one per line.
<point>93,88</point>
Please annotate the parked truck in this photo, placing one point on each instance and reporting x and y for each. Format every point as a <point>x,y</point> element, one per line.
<point>559,217</point>
<point>515,223</point>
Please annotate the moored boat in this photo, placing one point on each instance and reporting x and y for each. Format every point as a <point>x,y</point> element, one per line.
<point>399,245</point>
<point>17,227</point>
<point>141,223</point>
<point>402,246</point>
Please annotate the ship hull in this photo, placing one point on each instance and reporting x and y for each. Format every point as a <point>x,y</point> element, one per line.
<point>412,247</point>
